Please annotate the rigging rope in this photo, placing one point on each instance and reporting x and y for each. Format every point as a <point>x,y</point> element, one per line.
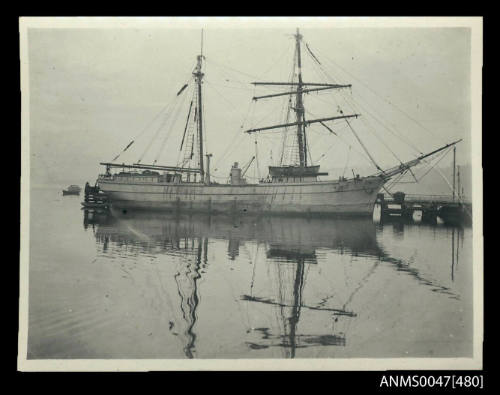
<point>126,148</point>
<point>378,119</point>
<point>389,128</point>
<point>444,178</point>
<point>308,146</point>
<point>162,124</point>
<point>170,103</point>
<point>345,142</point>
<point>347,162</point>
<point>366,123</point>
<point>380,96</point>
<point>435,164</point>
<point>212,86</point>
<point>274,63</point>
<point>432,166</point>
<point>187,123</point>
<point>324,154</point>
<point>230,68</point>
<point>190,125</point>
<point>238,139</point>
<point>380,139</point>
<point>176,116</point>
<point>394,181</point>
<point>145,128</point>
<point>257,159</point>
<point>205,142</point>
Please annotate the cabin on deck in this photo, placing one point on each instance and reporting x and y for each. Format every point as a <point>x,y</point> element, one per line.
<point>290,174</point>
<point>143,174</point>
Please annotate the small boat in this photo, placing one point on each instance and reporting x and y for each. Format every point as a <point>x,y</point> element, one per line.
<point>72,190</point>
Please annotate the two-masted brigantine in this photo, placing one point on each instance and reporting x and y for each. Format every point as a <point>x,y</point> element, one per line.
<point>289,188</point>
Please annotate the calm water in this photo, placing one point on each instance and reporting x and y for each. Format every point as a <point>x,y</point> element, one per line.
<point>141,285</point>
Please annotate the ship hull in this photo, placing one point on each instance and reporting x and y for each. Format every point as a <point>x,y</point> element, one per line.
<point>355,197</point>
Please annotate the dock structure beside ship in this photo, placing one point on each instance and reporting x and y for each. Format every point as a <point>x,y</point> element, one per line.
<point>95,198</point>
<point>429,207</point>
<point>452,208</point>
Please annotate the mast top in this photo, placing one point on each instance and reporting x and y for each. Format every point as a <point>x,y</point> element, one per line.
<point>297,35</point>
<point>201,51</point>
<point>197,72</point>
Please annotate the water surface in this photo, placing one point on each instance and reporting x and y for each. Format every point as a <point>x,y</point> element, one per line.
<point>151,285</point>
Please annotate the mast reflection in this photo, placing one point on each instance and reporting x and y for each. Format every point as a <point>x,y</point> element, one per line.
<point>187,285</point>
<point>292,247</point>
<point>457,237</point>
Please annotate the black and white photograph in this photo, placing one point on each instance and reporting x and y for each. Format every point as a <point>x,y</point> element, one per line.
<point>224,193</point>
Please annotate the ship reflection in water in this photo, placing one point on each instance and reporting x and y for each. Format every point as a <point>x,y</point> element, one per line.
<point>278,287</point>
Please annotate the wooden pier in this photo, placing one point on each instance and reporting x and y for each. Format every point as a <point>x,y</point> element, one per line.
<point>95,198</point>
<point>447,207</point>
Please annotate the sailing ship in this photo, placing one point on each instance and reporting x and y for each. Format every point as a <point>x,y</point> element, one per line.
<point>293,187</point>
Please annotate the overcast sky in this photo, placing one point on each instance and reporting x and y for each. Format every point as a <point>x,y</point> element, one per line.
<point>94,90</point>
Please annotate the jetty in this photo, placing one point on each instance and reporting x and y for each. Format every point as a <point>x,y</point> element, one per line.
<point>447,207</point>
<point>95,198</point>
<point>454,209</point>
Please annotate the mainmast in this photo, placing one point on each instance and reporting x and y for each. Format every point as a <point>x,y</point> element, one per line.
<point>299,107</point>
<point>297,304</point>
<point>301,88</point>
<point>199,77</point>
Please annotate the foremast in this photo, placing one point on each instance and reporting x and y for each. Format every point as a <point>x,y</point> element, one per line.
<point>197,129</point>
